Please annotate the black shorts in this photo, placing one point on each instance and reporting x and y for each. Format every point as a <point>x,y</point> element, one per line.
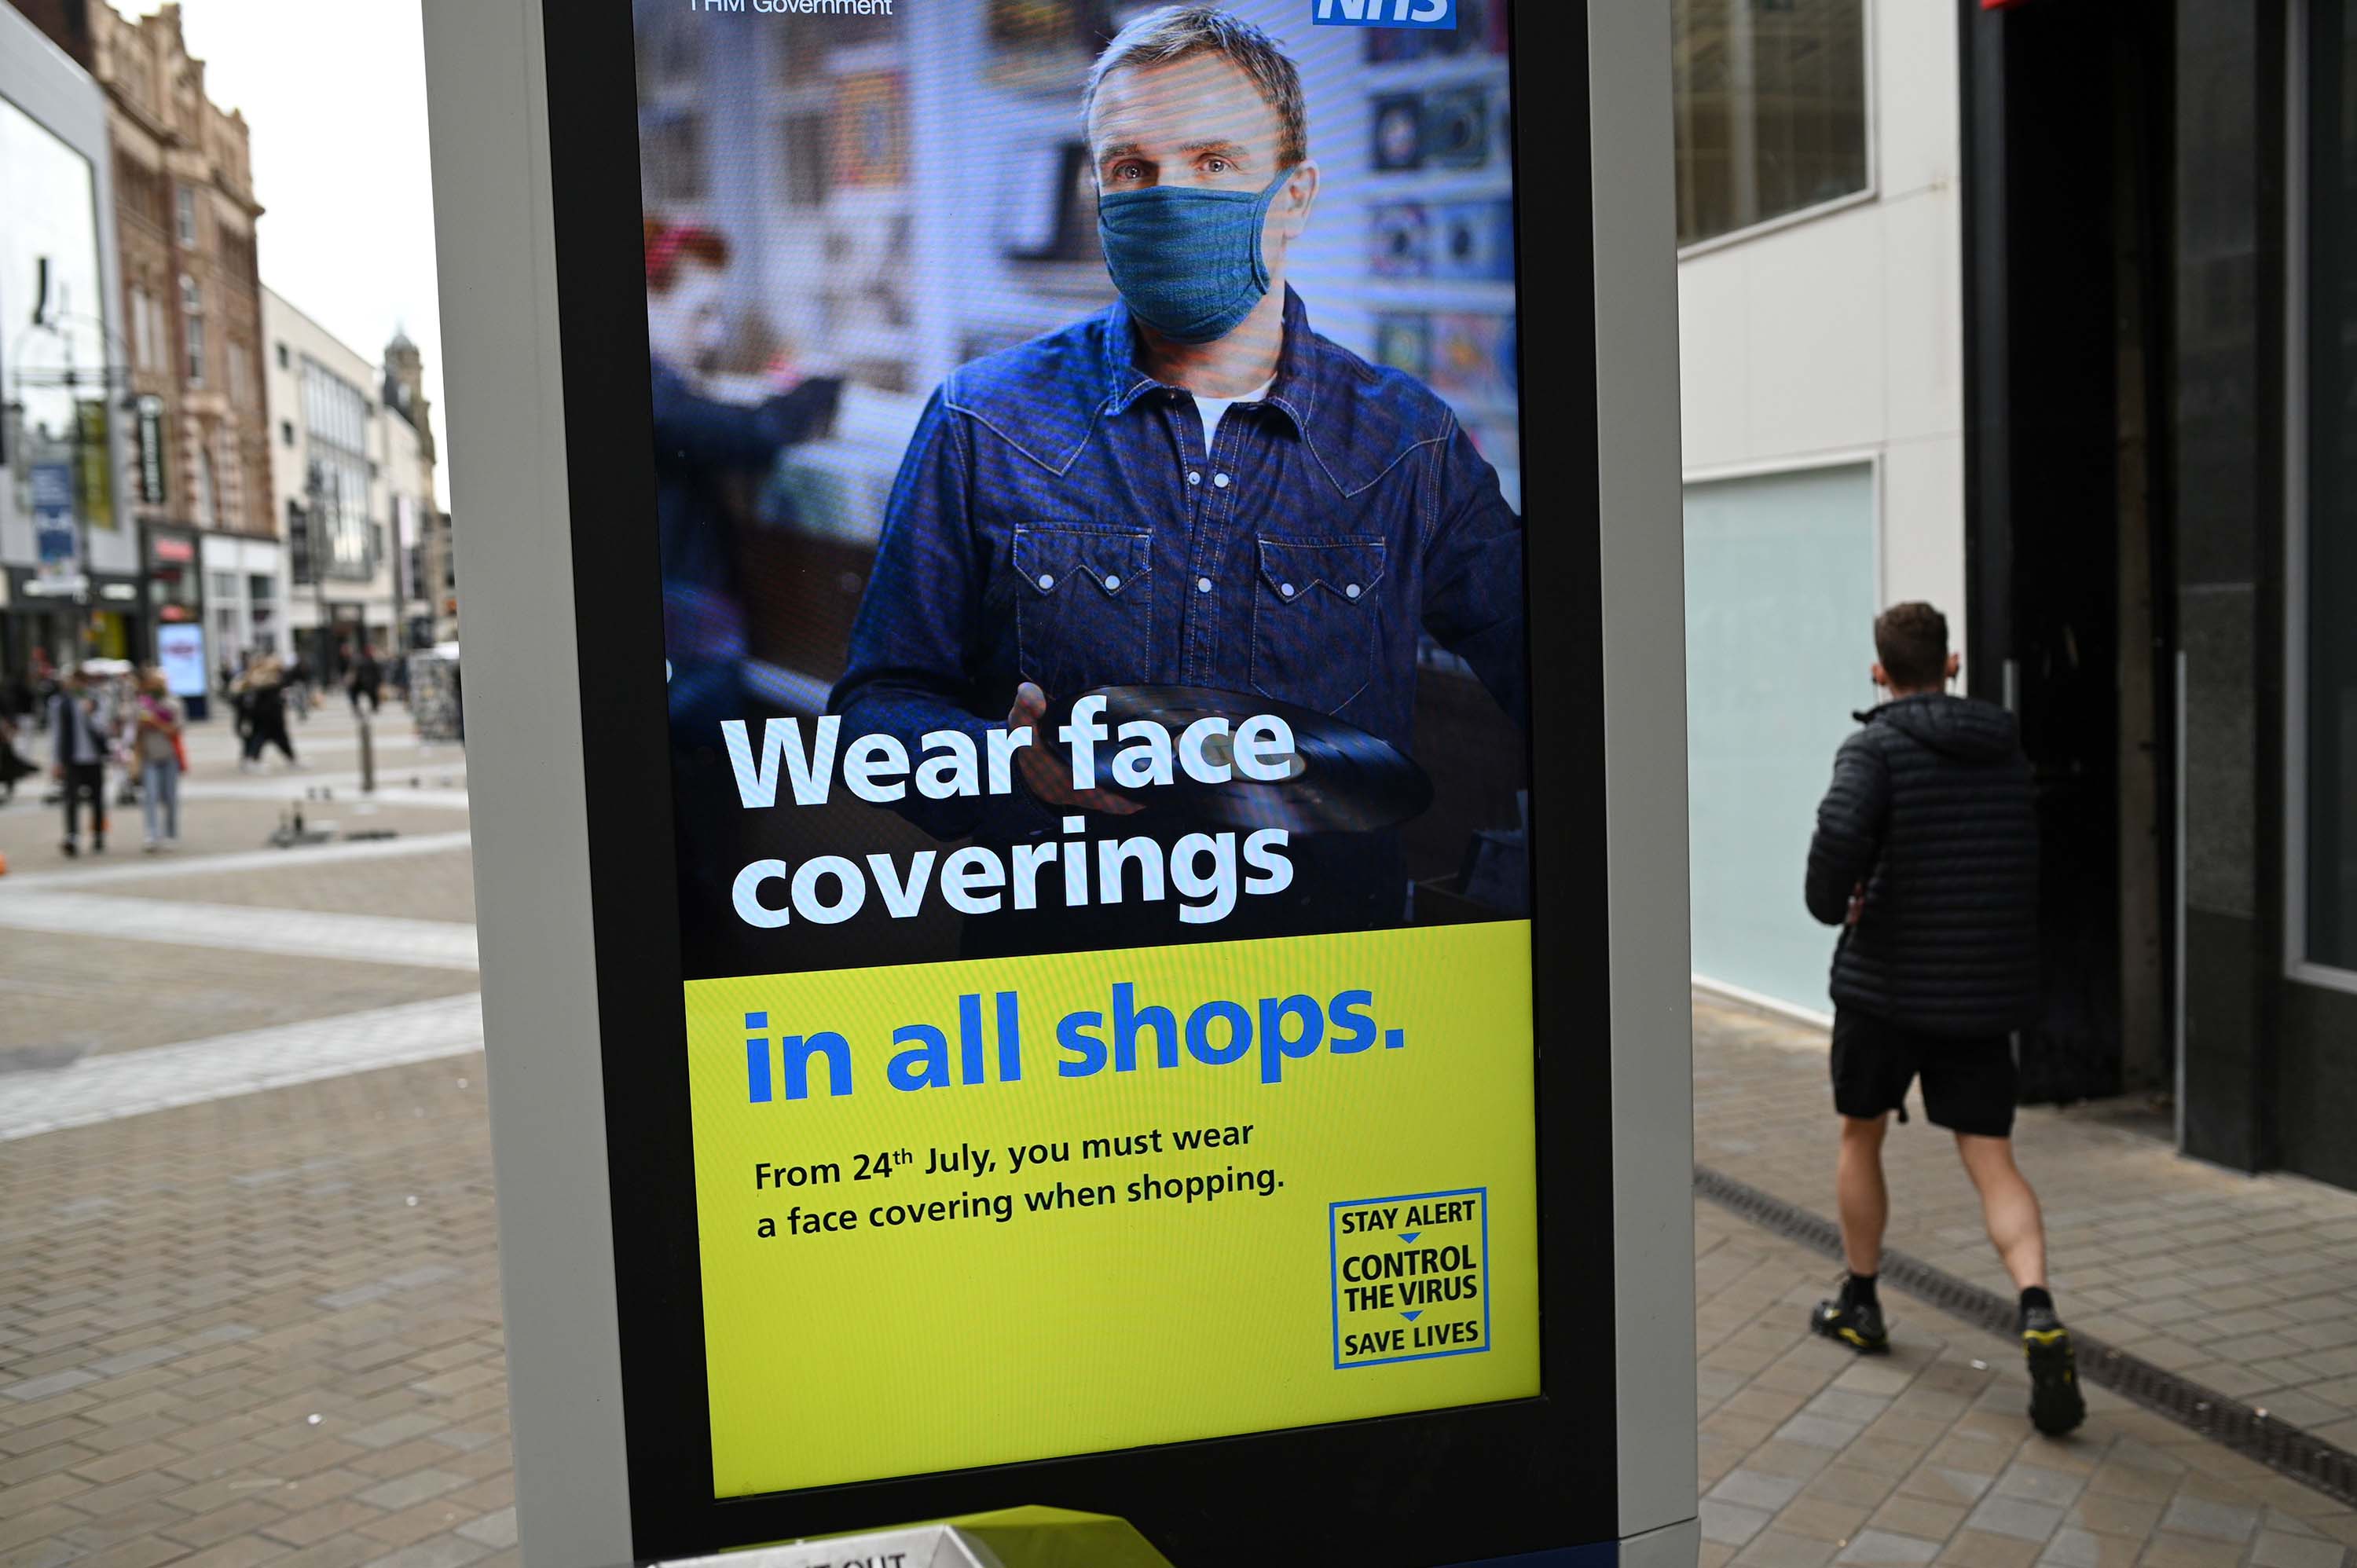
<point>1969,1085</point>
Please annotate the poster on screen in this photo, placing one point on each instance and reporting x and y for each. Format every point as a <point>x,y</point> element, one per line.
<point>180,649</point>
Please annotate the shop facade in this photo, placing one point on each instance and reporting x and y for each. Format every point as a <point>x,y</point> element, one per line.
<point>2163,529</point>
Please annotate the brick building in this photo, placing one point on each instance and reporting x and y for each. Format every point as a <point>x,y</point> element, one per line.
<point>184,221</point>
<point>198,480</point>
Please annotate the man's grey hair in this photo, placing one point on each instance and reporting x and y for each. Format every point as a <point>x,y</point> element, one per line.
<point>1181,32</point>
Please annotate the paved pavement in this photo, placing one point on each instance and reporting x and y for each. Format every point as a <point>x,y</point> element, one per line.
<point>2246,1286</point>
<point>249,1312</point>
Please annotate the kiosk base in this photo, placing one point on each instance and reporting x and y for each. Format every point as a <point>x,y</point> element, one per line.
<point>1058,1538</point>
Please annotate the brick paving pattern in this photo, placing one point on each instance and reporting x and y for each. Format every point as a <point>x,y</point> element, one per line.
<point>260,1325</point>
<point>2245,1285</point>
<point>1811,1454</point>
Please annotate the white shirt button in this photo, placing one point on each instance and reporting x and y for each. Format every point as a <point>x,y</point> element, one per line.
<point>1046,581</point>
<point>1352,592</point>
<point>1193,477</point>
<point>1220,481</point>
<point>1287,589</point>
<point>1203,585</point>
<point>1113,583</point>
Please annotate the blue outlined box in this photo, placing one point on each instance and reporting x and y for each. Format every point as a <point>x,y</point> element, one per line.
<point>1383,12</point>
<point>1409,1276</point>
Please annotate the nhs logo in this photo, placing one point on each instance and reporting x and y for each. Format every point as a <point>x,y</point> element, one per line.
<point>1383,12</point>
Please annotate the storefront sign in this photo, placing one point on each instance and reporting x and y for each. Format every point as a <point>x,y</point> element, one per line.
<point>56,543</point>
<point>94,455</point>
<point>153,458</point>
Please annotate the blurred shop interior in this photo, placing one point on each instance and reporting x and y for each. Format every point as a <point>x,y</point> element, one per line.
<point>902,195</point>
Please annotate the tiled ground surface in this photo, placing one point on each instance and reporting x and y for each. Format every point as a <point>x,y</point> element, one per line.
<point>260,1329</point>
<point>1813,1455</point>
<point>438,887</point>
<point>2248,1285</point>
<point>263,1327</point>
<point>98,993</point>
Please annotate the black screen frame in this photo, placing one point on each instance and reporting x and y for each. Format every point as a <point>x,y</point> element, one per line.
<point>1416,1489</point>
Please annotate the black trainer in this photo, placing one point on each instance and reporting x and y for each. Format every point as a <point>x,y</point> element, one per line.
<point>1857,1324</point>
<point>2056,1405</point>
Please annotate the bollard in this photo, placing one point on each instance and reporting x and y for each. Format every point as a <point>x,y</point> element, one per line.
<point>368,757</point>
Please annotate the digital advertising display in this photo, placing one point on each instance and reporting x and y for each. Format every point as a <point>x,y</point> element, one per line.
<point>1089,455</point>
<point>1060,933</point>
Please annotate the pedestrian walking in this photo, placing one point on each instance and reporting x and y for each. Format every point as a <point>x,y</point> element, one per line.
<point>1926,854</point>
<point>14,764</point>
<point>366,681</point>
<point>265,688</point>
<point>159,754</point>
<point>294,687</point>
<point>82,726</point>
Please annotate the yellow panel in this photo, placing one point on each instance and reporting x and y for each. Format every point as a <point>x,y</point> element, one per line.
<point>914,1313</point>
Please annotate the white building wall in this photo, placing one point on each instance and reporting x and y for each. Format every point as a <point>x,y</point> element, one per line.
<point>1840,335</point>
<point>1829,343</point>
<point>284,325</point>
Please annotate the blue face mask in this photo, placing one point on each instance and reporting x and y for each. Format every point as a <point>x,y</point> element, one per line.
<point>1187,262</point>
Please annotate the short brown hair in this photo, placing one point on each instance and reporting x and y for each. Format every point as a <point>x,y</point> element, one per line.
<point>1911,640</point>
<point>668,244</point>
<point>1181,32</point>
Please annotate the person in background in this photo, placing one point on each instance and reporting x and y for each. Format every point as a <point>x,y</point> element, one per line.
<point>46,682</point>
<point>264,688</point>
<point>12,765</point>
<point>702,443</point>
<point>1926,854</point>
<point>294,682</point>
<point>365,681</point>
<point>156,751</point>
<point>81,727</point>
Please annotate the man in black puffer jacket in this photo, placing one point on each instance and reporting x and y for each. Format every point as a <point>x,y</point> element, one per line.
<point>1926,854</point>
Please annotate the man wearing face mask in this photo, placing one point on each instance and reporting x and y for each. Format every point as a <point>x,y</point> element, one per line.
<point>1191,487</point>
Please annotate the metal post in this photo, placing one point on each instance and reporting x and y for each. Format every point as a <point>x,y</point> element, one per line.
<point>367,752</point>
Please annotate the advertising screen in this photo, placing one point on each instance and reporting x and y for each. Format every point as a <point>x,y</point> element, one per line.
<point>180,649</point>
<point>1088,478</point>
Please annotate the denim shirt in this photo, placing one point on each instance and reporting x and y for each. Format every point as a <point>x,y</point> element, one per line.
<point>1057,519</point>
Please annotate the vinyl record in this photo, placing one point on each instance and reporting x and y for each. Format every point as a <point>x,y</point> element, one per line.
<point>1399,132</point>
<point>1398,240</point>
<point>1338,779</point>
<point>1456,128</point>
<point>1474,240</point>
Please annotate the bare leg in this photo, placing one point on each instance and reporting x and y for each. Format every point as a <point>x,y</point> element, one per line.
<point>2008,1206</point>
<point>1865,1200</point>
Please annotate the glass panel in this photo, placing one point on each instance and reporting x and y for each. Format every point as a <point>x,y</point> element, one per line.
<point>1771,103</point>
<point>2332,489</point>
<point>54,344</point>
<point>1780,636</point>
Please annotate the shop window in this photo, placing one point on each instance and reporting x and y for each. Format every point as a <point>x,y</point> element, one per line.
<point>1780,635</point>
<point>2330,916</point>
<point>1771,103</point>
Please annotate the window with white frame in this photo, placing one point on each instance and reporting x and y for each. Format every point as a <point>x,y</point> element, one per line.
<point>192,311</point>
<point>1771,107</point>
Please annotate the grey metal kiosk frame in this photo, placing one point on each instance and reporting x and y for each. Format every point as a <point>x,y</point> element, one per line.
<point>487,64</point>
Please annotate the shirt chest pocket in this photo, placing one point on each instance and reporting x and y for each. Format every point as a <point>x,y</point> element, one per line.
<point>1083,607</point>
<point>1316,621</point>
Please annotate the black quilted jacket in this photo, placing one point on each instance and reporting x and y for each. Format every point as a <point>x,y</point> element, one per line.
<point>1931,809</point>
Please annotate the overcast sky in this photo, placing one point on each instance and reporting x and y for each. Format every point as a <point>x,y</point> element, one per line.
<point>334,97</point>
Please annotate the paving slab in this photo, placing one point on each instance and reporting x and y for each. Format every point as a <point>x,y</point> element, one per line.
<point>2246,1284</point>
